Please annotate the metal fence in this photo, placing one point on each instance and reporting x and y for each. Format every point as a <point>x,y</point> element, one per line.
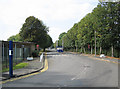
<point>21,50</point>
<point>0,64</point>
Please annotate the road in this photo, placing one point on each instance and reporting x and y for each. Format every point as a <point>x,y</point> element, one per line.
<point>71,70</point>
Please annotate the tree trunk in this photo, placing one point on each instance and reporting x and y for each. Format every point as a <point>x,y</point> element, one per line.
<point>100,50</point>
<point>81,49</point>
<point>118,54</point>
<point>112,51</point>
<point>91,50</point>
<point>76,48</point>
<point>84,50</point>
<point>44,50</point>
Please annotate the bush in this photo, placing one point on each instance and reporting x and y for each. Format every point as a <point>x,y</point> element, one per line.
<point>35,53</point>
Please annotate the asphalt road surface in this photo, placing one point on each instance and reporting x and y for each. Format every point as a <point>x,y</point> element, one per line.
<point>71,70</point>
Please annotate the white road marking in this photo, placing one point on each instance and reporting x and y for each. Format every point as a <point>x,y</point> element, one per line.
<point>73,78</point>
<point>79,75</point>
<point>57,55</point>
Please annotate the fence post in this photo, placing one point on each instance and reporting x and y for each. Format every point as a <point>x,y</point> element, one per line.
<point>1,61</point>
<point>23,51</point>
<point>15,54</point>
<point>3,51</point>
<point>10,58</point>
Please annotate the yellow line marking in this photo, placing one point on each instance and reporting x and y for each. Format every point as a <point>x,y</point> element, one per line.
<point>46,65</point>
<point>2,82</point>
<point>13,79</point>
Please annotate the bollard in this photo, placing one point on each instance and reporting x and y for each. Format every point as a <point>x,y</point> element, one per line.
<point>10,59</point>
<point>41,57</point>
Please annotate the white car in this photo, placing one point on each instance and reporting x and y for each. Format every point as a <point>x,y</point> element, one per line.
<point>102,55</point>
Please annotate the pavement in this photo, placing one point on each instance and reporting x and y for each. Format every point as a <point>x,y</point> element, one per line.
<point>33,66</point>
<point>107,59</point>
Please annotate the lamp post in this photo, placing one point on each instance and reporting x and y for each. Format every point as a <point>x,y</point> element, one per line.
<point>95,42</point>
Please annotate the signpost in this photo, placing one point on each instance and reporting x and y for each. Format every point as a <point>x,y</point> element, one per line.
<point>10,58</point>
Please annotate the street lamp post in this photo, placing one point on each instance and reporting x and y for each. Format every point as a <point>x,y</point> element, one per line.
<point>95,43</point>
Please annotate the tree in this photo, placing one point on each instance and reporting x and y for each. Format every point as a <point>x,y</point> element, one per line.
<point>107,14</point>
<point>103,24</point>
<point>61,35</point>
<point>15,38</point>
<point>34,30</point>
<point>49,42</point>
<point>60,38</point>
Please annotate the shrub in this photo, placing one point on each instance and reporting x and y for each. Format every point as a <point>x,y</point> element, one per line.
<point>35,53</point>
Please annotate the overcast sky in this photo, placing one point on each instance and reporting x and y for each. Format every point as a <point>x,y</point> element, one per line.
<point>58,15</point>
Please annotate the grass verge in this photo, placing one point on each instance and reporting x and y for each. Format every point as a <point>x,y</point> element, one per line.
<point>18,66</point>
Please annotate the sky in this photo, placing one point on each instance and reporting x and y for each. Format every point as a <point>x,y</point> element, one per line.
<point>58,15</point>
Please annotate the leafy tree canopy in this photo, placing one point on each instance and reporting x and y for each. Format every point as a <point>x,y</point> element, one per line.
<point>35,31</point>
<point>15,38</point>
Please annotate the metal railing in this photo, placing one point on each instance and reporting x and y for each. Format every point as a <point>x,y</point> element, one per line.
<point>21,50</point>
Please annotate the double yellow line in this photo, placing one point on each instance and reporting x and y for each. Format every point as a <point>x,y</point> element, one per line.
<point>46,65</point>
<point>43,70</point>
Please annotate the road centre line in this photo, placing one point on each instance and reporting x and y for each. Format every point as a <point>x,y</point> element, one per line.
<point>79,75</point>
